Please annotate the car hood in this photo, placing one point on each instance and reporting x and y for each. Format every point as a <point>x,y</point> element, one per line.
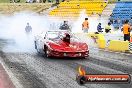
<point>74,46</point>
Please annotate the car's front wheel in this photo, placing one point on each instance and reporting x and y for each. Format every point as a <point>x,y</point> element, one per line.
<point>46,52</point>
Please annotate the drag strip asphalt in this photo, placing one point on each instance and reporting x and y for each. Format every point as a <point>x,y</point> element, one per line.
<point>36,71</point>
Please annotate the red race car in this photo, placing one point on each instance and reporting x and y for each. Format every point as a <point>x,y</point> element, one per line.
<point>60,44</point>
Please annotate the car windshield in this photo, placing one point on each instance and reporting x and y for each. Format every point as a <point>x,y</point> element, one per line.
<point>52,35</point>
<point>59,35</point>
<point>73,37</point>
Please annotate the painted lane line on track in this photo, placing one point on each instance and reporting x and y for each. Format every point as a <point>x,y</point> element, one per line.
<point>5,81</point>
<point>25,76</point>
<point>10,74</point>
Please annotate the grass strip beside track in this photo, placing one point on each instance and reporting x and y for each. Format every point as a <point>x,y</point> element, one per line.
<point>9,8</point>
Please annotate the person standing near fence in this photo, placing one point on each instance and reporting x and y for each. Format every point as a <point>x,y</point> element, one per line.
<point>126,31</point>
<point>28,29</point>
<point>99,28</point>
<point>108,27</point>
<point>85,26</point>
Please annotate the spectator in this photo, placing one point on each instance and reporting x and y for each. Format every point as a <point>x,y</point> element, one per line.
<point>99,28</point>
<point>38,1</point>
<point>85,26</point>
<point>118,21</point>
<point>123,21</point>
<point>65,26</point>
<point>99,14</point>
<point>111,21</point>
<point>130,21</point>
<point>28,29</point>
<point>57,1</point>
<point>42,1</point>
<point>14,1</point>
<point>108,28</point>
<point>115,21</point>
<point>126,31</point>
<point>49,1</point>
<point>29,1</point>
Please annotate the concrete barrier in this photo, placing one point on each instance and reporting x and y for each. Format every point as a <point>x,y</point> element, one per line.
<point>113,44</point>
<point>117,45</point>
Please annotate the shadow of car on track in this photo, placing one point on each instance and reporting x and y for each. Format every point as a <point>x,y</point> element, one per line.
<point>63,58</point>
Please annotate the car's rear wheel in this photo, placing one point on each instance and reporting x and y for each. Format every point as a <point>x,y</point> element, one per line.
<point>35,44</point>
<point>36,47</point>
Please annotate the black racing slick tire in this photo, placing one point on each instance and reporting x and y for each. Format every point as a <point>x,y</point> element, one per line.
<point>35,44</point>
<point>36,47</point>
<point>46,52</point>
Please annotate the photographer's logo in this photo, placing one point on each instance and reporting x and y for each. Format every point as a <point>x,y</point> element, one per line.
<point>83,78</point>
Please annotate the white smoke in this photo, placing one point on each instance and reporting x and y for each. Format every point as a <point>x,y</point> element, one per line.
<point>13,28</point>
<point>93,22</point>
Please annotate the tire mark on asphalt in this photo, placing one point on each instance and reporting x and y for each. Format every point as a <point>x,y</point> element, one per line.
<point>62,66</point>
<point>113,64</point>
<point>72,64</point>
<point>106,70</point>
<point>27,79</point>
<point>112,55</point>
<point>87,67</point>
<point>51,71</point>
